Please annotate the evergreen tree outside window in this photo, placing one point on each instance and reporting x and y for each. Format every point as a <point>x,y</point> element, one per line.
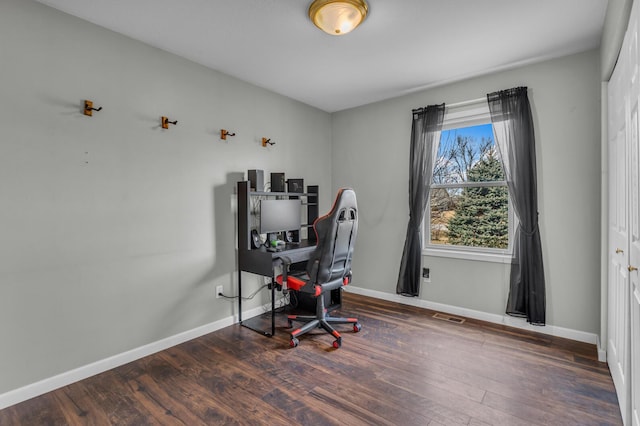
<point>469,208</point>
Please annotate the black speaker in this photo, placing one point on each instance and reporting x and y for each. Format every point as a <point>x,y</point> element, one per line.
<point>277,182</point>
<point>292,236</point>
<point>256,180</point>
<point>295,185</point>
<point>255,239</point>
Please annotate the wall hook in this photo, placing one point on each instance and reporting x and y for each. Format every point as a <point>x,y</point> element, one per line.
<point>166,122</point>
<point>88,108</point>
<point>266,141</point>
<point>224,133</point>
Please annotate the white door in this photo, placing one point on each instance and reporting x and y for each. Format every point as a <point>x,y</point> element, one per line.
<point>634,215</point>
<point>618,348</point>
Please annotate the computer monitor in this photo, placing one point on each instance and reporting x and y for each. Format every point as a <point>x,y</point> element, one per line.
<point>279,216</point>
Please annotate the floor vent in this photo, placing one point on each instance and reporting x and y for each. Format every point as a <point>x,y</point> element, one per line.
<point>449,318</point>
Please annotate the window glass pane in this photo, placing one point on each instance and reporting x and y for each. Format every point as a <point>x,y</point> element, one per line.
<point>460,153</point>
<point>470,216</point>
<point>469,200</point>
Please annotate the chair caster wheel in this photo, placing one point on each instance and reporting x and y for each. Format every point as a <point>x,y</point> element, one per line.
<point>289,323</point>
<point>293,342</point>
<point>357,327</point>
<point>337,343</point>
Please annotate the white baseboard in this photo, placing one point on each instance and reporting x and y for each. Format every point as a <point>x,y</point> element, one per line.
<point>602,352</point>
<point>52,383</point>
<point>521,323</point>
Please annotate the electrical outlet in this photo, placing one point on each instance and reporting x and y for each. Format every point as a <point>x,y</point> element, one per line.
<point>426,275</point>
<point>219,291</point>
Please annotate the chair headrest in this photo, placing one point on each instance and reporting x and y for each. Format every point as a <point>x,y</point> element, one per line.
<point>336,235</point>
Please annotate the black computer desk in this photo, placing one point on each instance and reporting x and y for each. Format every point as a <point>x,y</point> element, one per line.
<point>262,262</point>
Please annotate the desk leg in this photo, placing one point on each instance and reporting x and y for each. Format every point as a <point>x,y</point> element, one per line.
<point>273,306</point>
<point>239,296</point>
<point>249,323</point>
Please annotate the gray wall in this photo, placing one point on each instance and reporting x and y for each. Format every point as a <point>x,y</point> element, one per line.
<point>370,152</point>
<point>114,232</point>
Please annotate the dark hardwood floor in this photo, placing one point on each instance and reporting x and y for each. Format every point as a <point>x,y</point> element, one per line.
<point>404,368</point>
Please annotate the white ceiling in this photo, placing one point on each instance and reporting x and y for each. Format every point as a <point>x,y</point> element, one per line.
<point>403,46</point>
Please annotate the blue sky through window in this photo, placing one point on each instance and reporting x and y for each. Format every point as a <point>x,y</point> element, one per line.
<point>475,132</point>
<point>459,150</point>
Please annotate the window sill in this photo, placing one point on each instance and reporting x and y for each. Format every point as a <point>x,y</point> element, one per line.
<point>468,255</point>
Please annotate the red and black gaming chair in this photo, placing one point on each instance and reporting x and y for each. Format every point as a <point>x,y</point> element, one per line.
<point>329,266</point>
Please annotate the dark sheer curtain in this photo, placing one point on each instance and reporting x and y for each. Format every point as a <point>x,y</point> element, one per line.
<point>513,127</point>
<point>425,131</point>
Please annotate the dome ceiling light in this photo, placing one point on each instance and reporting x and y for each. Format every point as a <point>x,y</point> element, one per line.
<point>338,17</point>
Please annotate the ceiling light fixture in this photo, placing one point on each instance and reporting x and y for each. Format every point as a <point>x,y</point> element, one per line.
<point>338,17</point>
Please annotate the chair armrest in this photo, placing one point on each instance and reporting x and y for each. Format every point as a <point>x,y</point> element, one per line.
<point>285,269</point>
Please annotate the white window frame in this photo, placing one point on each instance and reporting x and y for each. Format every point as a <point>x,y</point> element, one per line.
<point>466,115</point>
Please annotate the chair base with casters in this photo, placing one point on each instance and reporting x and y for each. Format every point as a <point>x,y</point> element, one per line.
<point>321,319</point>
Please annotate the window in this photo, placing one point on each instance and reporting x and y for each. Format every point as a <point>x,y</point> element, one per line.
<point>468,214</point>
